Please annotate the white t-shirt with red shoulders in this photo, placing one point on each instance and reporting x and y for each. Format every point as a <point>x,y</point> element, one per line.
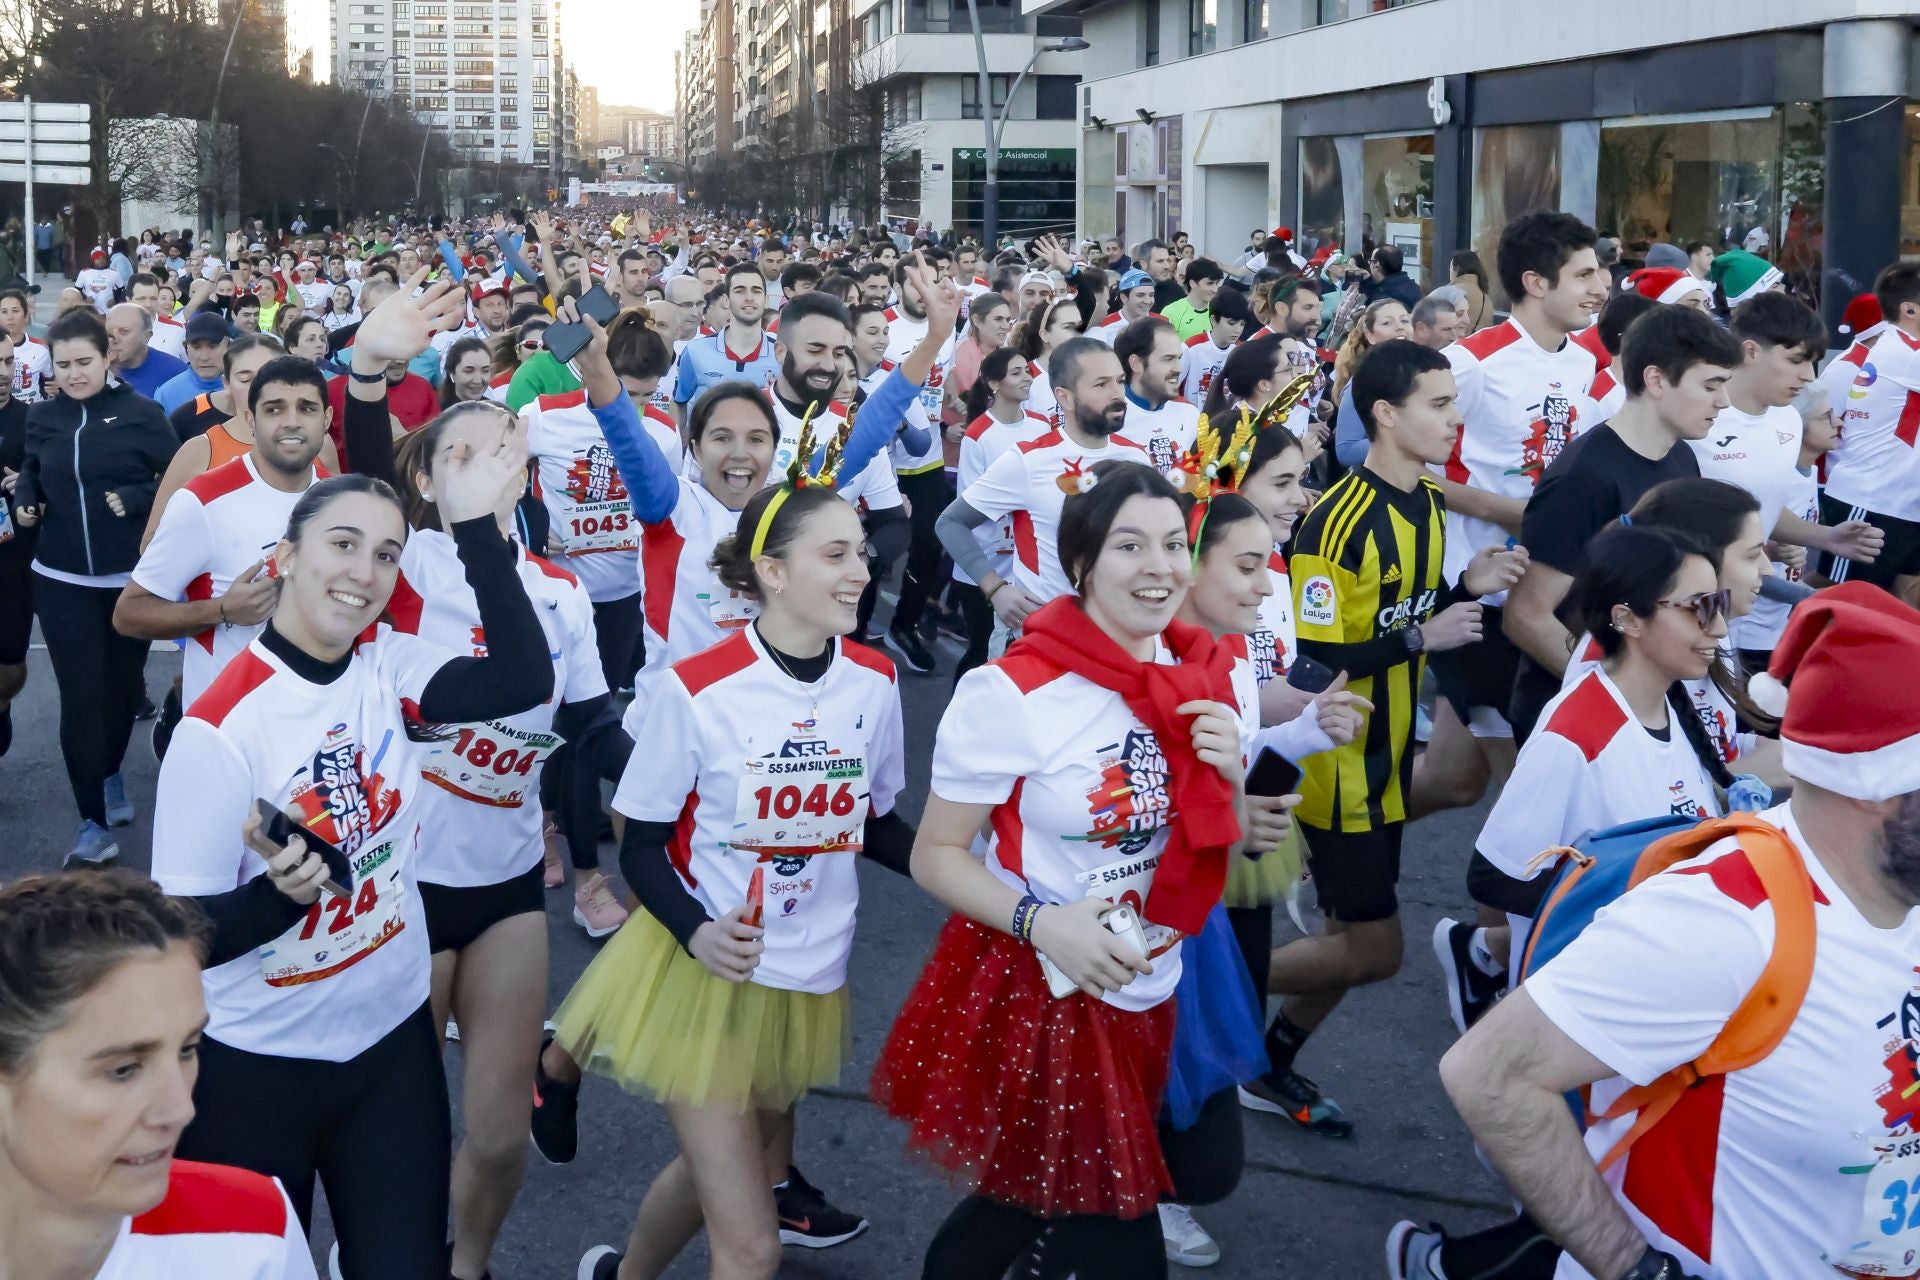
<point>1040,397</point>
<point>1108,329</point>
<point>170,336</point>
<point>585,495</point>
<point>1838,378</point>
<point>1199,365</point>
<point>217,1223</point>
<point>985,440</point>
<point>1520,405</point>
<point>876,488</point>
<point>1023,484</point>
<point>1079,793</point>
<point>1874,466</point>
<point>32,370</point>
<point>481,806</point>
<point>1167,433</point>
<point>1716,710</point>
<point>337,757</point>
<point>761,771</point>
<point>1601,767</point>
<point>214,527</point>
<point>684,607</point>
<point>1801,1167</point>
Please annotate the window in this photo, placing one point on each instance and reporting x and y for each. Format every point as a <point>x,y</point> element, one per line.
<point>1054,97</point>
<point>1203,26</point>
<point>970,95</point>
<point>1120,152</point>
<point>1254,21</point>
<point>1153,33</point>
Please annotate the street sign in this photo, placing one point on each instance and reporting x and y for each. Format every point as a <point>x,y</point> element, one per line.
<point>69,175</point>
<point>69,112</point>
<point>44,131</point>
<point>46,153</point>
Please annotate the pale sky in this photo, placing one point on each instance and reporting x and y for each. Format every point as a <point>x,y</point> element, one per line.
<point>625,50</point>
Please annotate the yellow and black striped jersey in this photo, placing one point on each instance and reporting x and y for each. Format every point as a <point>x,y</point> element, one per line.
<point>1366,565</point>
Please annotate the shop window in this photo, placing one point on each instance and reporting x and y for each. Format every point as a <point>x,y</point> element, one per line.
<point>1253,21</point>
<point>1203,26</point>
<point>1684,179</point>
<point>1516,170</point>
<point>1323,204</point>
<point>1397,189</point>
<point>1153,33</point>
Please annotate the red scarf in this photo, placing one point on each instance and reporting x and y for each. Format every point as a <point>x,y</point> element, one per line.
<point>1193,869</point>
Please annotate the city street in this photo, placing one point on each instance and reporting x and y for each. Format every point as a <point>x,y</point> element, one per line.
<point>1307,1207</point>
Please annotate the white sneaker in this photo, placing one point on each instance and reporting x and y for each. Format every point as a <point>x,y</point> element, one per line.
<point>1187,1241</point>
<point>333,1262</point>
<point>596,910</point>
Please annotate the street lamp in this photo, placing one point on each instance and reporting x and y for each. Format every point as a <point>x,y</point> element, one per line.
<point>990,196</point>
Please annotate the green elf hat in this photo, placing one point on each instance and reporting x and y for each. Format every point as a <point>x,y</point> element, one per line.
<point>1742,275</point>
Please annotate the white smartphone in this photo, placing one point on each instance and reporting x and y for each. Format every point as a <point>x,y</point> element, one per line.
<point>1123,923</point>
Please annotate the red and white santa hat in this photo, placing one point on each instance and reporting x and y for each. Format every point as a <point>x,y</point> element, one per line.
<point>1667,284</point>
<point>1862,319</point>
<point>1850,717</point>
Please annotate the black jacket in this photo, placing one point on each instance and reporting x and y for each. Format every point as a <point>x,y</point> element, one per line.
<point>78,451</point>
<point>18,549</point>
<point>1399,286</point>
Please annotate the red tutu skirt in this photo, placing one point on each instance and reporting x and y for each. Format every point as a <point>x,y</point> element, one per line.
<point>1048,1105</point>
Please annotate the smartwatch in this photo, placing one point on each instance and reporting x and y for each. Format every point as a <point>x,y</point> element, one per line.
<point>1414,639</point>
<point>1654,1265</point>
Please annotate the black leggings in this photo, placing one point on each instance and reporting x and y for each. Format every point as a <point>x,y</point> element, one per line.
<point>1253,934</point>
<point>375,1129</point>
<point>981,1238</point>
<point>616,628</point>
<point>1205,1161</point>
<point>979,615</point>
<point>101,677</point>
<point>928,493</point>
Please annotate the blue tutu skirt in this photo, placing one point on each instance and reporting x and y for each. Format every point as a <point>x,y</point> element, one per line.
<point>1217,1039</point>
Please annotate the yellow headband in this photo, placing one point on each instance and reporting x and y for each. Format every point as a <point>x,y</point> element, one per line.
<point>766,522</point>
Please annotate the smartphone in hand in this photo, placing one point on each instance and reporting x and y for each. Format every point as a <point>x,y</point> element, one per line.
<point>280,828</point>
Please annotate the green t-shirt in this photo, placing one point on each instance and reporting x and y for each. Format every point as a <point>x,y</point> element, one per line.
<point>540,375</point>
<point>1185,320</point>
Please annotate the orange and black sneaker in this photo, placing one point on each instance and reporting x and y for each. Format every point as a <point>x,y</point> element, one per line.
<point>555,1125</point>
<point>806,1219</point>
<point>1285,1092</point>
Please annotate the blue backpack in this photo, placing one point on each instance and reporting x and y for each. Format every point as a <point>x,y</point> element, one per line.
<point>1611,862</point>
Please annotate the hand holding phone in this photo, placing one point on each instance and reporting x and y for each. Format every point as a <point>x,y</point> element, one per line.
<point>273,827</point>
<point>1103,944</point>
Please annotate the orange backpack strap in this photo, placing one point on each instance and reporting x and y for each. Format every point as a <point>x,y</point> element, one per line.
<point>1764,1017</point>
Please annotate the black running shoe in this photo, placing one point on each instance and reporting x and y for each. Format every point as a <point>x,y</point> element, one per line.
<point>806,1219</point>
<point>1285,1092</point>
<point>1470,990</point>
<point>146,710</point>
<point>556,1117</point>
<point>912,650</point>
<point>165,723</point>
<point>6,729</point>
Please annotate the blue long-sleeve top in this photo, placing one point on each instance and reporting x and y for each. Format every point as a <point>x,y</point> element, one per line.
<point>653,485</point>
<point>1349,433</point>
<point>452,259</point>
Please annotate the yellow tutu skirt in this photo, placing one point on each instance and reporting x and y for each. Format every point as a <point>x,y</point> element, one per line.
<point>651,1018</point>
<point>1255,882</point>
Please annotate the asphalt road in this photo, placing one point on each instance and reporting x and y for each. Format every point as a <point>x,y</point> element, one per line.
<point>1307,1207</point>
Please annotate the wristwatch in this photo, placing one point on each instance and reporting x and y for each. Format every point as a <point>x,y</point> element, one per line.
<point>1414,639</point>
<point>1655,1265</point>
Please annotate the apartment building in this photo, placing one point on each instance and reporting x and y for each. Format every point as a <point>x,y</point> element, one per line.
<point>1429,124</point>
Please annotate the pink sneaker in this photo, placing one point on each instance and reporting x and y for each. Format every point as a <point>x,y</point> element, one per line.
<point>595,909</point>
<point>556,862</point>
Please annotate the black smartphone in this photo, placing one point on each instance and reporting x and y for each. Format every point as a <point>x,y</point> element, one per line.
<point>567,339</point>
<point>1273,775</point>
<point>1310,676</point>
<point>599,304</point>
<point>279,828</point>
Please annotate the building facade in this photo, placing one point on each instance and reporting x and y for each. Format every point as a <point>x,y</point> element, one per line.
<point>1429,124</point>
<point>491,73</point>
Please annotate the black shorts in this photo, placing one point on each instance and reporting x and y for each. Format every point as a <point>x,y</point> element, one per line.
<point>458,916</point>
<point>1489,886</point>
<point>16,614</point>
<point>1354,872</point>
<point>1898,559</point>
<point>1478,675</point>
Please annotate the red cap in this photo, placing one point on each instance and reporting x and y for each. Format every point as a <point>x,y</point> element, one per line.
<point>489,289</point>
<point>1285,233</point>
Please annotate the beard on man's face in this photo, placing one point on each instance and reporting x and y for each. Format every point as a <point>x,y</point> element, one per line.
<point>1900,848</point>
<point>817,384</point>
<point>1100,421</point>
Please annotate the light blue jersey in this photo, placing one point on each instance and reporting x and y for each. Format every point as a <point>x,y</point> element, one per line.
<point>706,361</point>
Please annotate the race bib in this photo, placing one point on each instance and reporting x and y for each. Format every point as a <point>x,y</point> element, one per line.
<point>601,526</point>
<point>1887,1241</point>
<point>491,764</point>
<point>729,610</point>
<point>338,933</point>
<point>802,800</point>
<point>1125,884</point>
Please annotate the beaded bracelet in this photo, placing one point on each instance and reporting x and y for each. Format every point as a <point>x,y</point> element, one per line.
<point>1023,917</point>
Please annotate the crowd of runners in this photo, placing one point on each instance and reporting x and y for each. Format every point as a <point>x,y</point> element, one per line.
<point>486,542</point>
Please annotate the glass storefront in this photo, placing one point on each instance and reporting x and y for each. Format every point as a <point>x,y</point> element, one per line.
<point>1516,170</point>
<point>1038,190</point>
<point>1323,205</point>
<point>1398,199</point>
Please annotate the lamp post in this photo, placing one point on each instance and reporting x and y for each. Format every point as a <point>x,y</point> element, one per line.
<point>994,130</point>
<point>368,85</point>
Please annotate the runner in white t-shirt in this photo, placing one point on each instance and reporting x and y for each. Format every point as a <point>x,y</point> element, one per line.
<point>1800,1165</point>
<point>770,760</point>
<point>1205,352</point>
<point>1163,424</point>
<point>321,1061</point>
<point>101,1029</point>
<point>1002,393</point>
<point>1755,635</point>
<point>1874,473</point>
<point>32,363</point>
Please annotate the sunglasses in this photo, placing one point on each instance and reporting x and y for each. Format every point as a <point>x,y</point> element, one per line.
<point>1705,608</point>
<point>531,344</point>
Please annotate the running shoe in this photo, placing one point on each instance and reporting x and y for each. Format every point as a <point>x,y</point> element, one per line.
<point>6,729</point>
<point>596,910</point>
<point>1188,1243</point>
<point>1414,1254</point>
<point>453,1032</point>
<point>165,723</point>
<point>333,1262</point>
<point>1470,990</point>
<point>912,650</point>
<point>93,847</point>
<point>556,1116</point>
<point>599,1263</point>
<point>806,1219</point>
<point>146,710</point>
<point>555,873</point>
<point>119,808</point>
<point>1285,1092</point>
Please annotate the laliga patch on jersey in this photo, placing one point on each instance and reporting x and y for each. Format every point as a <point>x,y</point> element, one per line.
<point>1317,605</point>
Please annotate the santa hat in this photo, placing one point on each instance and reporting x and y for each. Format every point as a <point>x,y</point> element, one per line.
<point>1863,318</point>
<point>1284,233</point>
<point>1742,275</point>
<point>1667,284</point>
<point>1849,723</point>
